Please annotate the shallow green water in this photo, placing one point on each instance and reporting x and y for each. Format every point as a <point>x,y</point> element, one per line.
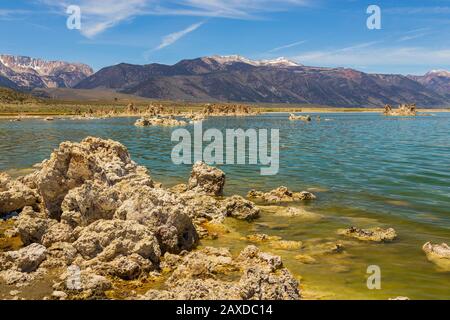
<point>367,170</point>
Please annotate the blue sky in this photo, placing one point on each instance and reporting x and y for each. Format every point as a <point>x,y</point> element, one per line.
<point>414,36</point>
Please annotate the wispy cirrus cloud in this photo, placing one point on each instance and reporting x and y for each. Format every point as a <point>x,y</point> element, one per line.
<point>174,37</point>
<point>287,46</point>
<point>418,10</point>
<point>101,15</point>
<point>12,14</point>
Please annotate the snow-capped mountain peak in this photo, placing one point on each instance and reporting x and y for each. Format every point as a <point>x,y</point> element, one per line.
<point>279,62</point>
<point>439,73</point>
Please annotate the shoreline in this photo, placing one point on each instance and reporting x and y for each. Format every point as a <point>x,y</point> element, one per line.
<point>33,115</point>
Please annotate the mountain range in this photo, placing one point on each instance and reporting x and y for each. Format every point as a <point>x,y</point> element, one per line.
<point>25,73</point>
<point>235,79</point>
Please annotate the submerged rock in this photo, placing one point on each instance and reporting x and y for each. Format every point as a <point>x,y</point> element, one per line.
<point>206,179</point>
<point>274,241</point>
<point>286,245</point>
<point>290,212</point>
<point>281,194</point>
<point>374,234</point>
<point>439,254</point>
<point>261,237</point>
<point>305,259</point>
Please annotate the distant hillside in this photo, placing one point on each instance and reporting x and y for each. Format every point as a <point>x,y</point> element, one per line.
<point>11,96</point>
<point>237,79</point>
<point>94,95</point>
<point>436,80</point>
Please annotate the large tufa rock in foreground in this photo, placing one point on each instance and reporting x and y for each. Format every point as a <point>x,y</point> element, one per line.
<point>103,217</point>
<point>439,254</point>
<point>72,164</point>
<point>206,179</point>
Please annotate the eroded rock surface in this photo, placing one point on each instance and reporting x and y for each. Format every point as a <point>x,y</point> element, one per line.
<point>72,164</point>
<point>211,273</point>
<point>374,234</point>
<point>14,195</point>
<point>239,208</point>
<point>19,267</point>
<point>281,194</point>
<point>206,179</point>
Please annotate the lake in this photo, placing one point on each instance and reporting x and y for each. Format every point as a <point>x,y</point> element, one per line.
<point>367,170</point>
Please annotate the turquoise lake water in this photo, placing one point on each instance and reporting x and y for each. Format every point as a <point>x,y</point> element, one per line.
<point>366,169</point>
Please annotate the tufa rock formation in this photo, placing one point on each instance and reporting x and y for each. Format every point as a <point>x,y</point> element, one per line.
<point>406,110</point>
<point>281,194</point>
<point>92,215</point>
<point>374,234</point>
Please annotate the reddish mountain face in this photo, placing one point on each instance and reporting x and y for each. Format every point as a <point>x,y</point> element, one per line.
<point>235,78</point>
<point>30,73</point>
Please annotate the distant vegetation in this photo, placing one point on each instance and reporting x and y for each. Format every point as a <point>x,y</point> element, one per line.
<point>12,96</point>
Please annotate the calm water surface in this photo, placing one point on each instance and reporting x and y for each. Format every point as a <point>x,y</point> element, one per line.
<point>367,170</point>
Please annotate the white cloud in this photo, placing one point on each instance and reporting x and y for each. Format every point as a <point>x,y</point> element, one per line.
<point>100,15</point>
<point>371,55</point>
<point>12,14</point>
<point>174,37</point>
<point>233,9</point>
<point>412,37</point>
<point>418,10</point>
<point>287,46</point>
